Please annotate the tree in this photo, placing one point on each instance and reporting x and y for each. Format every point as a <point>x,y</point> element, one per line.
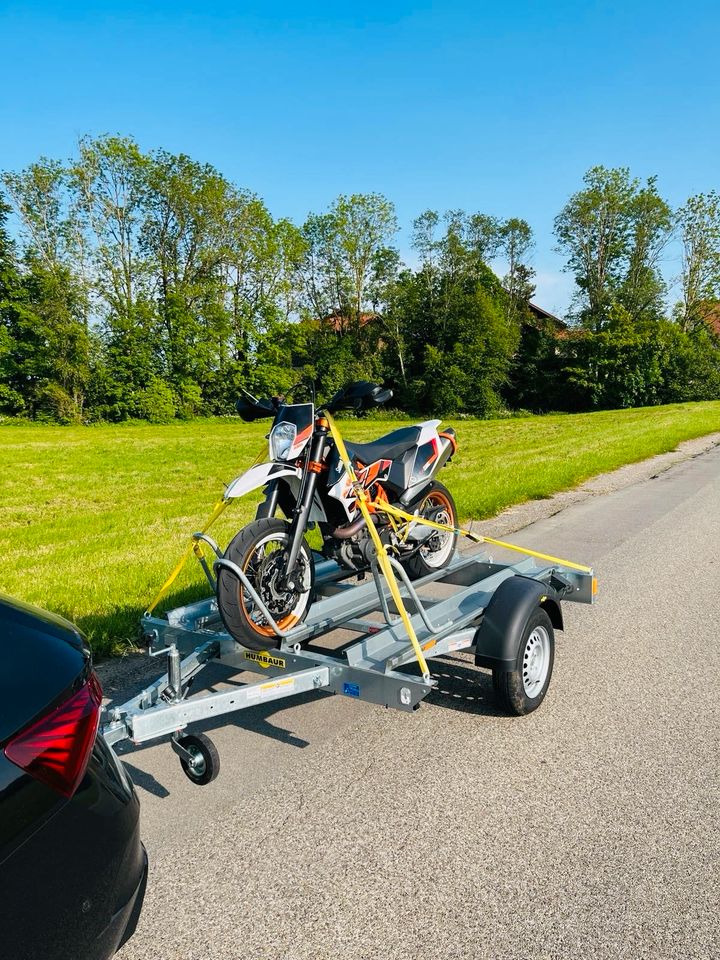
<point>54,343</point>
<point>50,328</point>
<point>11,395</point>
<point>535,379</point>
<point>109,185</point>
<point>643,289</point>
<point>344,249</point>
<point>109,181</point>
<point>346,270</point>
<point>184,238</point>
<point>51,229</point>
<point>262,259</point>
<point>612,233</point>
<point>485,235</point>
<point>691,363</point>
<point>452,315</point>
<point>516,242</point>
<point>469,243</point>
<point>699,225</point>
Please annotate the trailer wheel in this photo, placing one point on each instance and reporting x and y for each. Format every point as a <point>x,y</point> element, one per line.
<point>522,690</point>
<point>205,765</point>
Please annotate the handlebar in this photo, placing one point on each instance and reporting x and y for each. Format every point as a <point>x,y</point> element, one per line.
<point>358,395</point>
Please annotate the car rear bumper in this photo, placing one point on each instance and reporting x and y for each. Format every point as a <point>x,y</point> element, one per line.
<point>125,920</point>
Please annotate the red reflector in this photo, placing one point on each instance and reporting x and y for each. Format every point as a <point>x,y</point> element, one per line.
<point>57,747</point>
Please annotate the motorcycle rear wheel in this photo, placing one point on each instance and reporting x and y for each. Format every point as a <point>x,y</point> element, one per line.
<point>258,550</point>
<point>438,551</point>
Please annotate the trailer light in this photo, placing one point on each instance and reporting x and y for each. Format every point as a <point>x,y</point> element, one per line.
<point>405,696</point>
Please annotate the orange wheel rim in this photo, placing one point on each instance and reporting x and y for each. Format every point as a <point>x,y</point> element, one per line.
<point>288,621</point>
<point>437,496</point>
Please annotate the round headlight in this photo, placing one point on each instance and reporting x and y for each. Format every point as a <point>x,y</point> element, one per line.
<point>282,437</point>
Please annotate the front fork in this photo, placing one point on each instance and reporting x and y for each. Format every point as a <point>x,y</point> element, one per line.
<point>269,505</point>
<point>301,514</point>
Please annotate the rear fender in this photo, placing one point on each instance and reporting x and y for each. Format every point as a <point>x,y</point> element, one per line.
<point>445,451</point>
<point>258,476</point>
<point>433,452</point>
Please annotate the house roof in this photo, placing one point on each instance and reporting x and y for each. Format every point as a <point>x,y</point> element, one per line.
<point>711,316</point>
<point>339,323</point>
<point>540,314</point>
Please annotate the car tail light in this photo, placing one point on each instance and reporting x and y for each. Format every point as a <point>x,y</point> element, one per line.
<point>57,747</point>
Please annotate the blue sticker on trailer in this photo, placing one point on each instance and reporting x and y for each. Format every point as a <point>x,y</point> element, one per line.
<point>351,689</point>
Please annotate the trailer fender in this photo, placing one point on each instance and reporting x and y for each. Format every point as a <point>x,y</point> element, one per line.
<point>258,476</point>
<point>552,607</point>
<point>498,637</point>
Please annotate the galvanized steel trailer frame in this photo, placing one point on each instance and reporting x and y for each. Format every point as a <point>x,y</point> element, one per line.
<point>367,668</point>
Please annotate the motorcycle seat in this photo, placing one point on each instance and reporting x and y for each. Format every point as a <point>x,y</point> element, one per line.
<point>389,447</point>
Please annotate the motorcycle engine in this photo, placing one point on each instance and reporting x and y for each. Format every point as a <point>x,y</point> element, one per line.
<point>356,552</point>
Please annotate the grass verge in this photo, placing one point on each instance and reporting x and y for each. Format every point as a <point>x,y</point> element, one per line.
<point>93,518</point>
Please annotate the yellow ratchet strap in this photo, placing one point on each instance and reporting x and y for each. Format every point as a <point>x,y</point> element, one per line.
<point>193,547</point>
<point>414,518</point>
<point>385,566</point>
<point>477,538</point>
<point>540,556</point>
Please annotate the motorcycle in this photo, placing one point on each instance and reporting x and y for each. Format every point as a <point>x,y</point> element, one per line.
<point>306,480</point>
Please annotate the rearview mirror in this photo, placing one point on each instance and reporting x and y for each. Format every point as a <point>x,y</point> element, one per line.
<point>359,395</point>
<point>379,398</point>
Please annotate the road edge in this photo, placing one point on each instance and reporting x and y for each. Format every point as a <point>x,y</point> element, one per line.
<point>521,515</point>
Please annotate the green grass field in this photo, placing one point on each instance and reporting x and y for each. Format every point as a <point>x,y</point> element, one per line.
<point>93,518</point>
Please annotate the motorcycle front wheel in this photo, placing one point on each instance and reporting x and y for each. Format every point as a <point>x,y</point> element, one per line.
<point>260,550</point>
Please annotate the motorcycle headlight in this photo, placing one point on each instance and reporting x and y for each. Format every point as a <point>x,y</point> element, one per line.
<point>282,437</point>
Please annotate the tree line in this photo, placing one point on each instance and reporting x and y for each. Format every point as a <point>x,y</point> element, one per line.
<point>147,285</point>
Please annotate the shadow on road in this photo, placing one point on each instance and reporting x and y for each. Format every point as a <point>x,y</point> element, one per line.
<point>462,686</point>
<point>255,720</point>
<point>145,780</point>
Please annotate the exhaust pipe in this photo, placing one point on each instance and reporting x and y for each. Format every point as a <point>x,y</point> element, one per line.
<point>349,530</point>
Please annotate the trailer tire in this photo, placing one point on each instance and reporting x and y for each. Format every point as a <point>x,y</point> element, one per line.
<point>207,759</point>
<point>522,690</point>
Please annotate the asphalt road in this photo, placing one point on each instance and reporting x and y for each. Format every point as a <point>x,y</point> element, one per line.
<point>589,829</point>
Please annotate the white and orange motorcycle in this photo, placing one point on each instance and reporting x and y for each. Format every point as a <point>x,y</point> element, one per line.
<point>306,481</point>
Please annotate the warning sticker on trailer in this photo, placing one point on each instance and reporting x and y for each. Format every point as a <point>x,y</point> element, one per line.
<point>267,689</point>
<point>265,659</point>
<point>459,643</point>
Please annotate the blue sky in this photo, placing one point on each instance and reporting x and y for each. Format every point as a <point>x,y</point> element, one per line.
<point>491,107</point>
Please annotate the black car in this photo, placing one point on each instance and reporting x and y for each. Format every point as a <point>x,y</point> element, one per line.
<point>72,867</point>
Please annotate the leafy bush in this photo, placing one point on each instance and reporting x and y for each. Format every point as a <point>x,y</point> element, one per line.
<point>55,404</point>
<point>156,402</point>
<point>189,400</point>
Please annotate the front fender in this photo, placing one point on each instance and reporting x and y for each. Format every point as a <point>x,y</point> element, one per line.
<point>258,476</point>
